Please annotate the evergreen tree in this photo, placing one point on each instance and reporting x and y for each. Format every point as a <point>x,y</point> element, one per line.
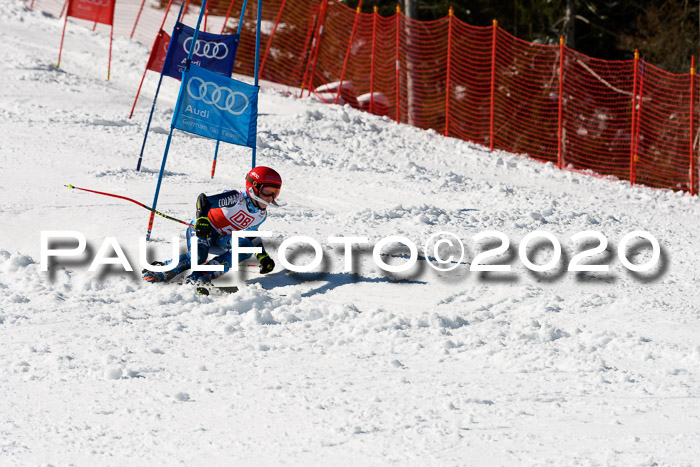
<point>666,32</point>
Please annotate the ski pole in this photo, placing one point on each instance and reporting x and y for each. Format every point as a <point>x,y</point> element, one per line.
<point>129,199</point>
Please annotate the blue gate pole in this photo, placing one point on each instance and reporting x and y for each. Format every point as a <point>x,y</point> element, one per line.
<point>160,178</point>
<point>240,22</point>
<point>257,65</point>
<point>216,153</point>
<point>155,98</point>
<point>148,125</point>
<point>196,33</point>
<point>238,32</point>
<point>176,112</point>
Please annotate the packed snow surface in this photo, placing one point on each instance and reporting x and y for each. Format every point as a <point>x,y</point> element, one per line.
<point>326,367</point>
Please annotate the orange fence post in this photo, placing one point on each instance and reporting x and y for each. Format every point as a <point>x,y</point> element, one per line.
<point>447,83</point>
<point>272,36</point>
<point>633,138</point>
<point>228,15</point>
<point>692,126</point>
<point>347,52</point>
<point>206,16</point>
<point>308,51</point>
<point>640,107</point>
<point>493,83</point>
<point>136,22</point>
<point>560,157</point>
<point>316,45</point>
<point>398,65</point>
<point>63,34</point>
<point>371,66</point>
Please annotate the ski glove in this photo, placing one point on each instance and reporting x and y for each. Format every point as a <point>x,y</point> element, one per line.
<point>203,206</point>
<point>203,227</point>
<point>266,263</point>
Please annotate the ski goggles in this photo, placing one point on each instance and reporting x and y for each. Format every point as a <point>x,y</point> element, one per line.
<point>269,190</point>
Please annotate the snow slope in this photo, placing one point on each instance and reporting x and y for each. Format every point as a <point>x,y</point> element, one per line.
<point>325,367</point>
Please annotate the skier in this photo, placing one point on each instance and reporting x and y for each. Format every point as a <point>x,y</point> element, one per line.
<point>216,217</point>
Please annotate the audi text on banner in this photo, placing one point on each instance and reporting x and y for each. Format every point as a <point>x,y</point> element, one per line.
<point>217,107</point>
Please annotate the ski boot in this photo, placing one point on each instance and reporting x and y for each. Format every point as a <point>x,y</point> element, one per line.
<point>153,277</point>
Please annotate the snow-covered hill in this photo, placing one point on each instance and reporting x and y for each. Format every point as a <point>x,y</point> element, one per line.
<point>325,367</point>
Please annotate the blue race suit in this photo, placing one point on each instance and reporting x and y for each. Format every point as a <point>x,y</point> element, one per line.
<point>227,212</point>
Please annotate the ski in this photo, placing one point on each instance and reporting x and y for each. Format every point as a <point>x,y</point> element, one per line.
<point>208,289</point>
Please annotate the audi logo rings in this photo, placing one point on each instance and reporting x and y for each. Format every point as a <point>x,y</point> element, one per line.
<point>207,49</point>
<point>222,97</point>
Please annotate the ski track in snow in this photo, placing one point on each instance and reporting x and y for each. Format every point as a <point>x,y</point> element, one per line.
<point>324,368</point>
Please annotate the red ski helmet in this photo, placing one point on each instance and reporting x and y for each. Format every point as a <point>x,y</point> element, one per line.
<point>259,178</point>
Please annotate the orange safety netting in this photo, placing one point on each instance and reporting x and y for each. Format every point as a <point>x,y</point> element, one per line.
<point>627,119</point>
